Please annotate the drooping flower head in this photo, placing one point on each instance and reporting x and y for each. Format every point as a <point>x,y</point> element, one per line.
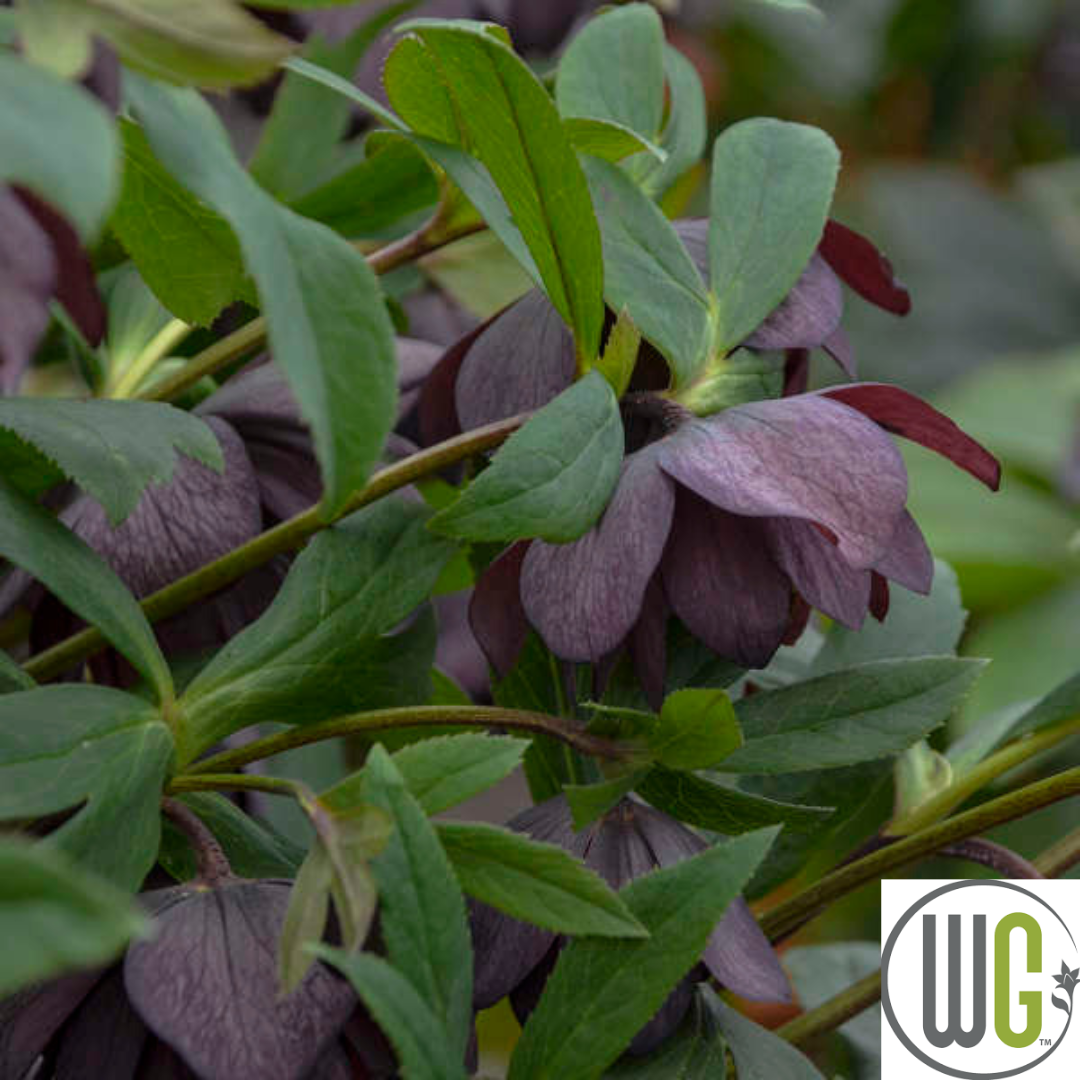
<point>515,958</point>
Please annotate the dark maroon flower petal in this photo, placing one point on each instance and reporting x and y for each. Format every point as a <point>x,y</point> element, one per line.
<point>105,1037</point>
<point>818,572</point>
<point>838,346</point>
<point>809,314</point>
<point>439,418</point>
<point>522,359</point>
<point>879,596</point>
<point>207,984</point>
<point>721,582</point>
<point>586,596</point>
<point>797,619</point>
<point>505,951</point>
<point>103,78</point>
<point>434,316</point>
<point>194,518</point>
<point>741,958</point>
<point>904,414</point>
<point>76,288</point>
<point>648,643</point>
<point>28,272</point>
<point>31,1017</point>
<point>540,27</point>
<point>863,268</point>
<point>496,613</point>
<point>907,559</point>
<point>160,1062</point>
<point>796,372</point>
<point>792,457</point>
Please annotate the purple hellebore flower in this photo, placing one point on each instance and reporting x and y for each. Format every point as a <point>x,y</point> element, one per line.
<point>516,958</point>
<point>40,257</point>
<point>739,521</point>
<point>199,1001</point>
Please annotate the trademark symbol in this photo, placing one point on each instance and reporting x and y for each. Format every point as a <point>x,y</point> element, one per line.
<point>1045,1042</point>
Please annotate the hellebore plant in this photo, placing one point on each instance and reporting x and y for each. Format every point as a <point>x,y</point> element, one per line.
<point>245,507</point>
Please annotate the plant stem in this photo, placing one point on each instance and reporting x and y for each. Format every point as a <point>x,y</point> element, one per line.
<point>484,716</point>
<point>1008,757</point>
<point>285,537</point>
<point>272,785</point>
<point>1061,857</point>
<point>793,912</point>
<point>211,864</point>
<point>173,332</point>
<point>428,238</point>
<point>830,1014</point>
<point>997,857</point>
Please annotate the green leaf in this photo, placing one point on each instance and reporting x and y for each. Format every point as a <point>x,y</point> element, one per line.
<point>342,86</point>
<point>608,140</point>
<point>449,769</point>
<point>648,271</point>
<point>804,6</point>
<point>697,729</point>
<point>54,34</point>
<point>772,183</point>
<point>37,542</point>
<point>706,805</point>
<point>917,626</point>
<point>620,354</point>
<point>422,913</point>
<point>305,918</point>
<point>415,1032</point>
<point>920,773</point>
<point>321,648</point>
<point>186,253</point>
<point>536,882</point>
<point>307,122</point>
<point>507,120</point>
<point>696,1051</point>
<point>71,744</point>
<point>552,478</point>
<point>111,449</point>
<point>12,677</point>
<point>594,77</point>
<point>588,802</point>
<point>395,180</point>
<point>758,1053</point>
<point>54,918</point>
<point>254,849</point>
<point>1058,706</point>
<point>327,324</point>
<point>59,141</point>
<point>867,712</point>
<point>686,131</point>
<point>210,43</point>
<point>602,993</point>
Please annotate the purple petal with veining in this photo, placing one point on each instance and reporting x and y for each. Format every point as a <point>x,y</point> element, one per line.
<point>807,316</point>
<point>207,984</point>
<point>838,346</point>
<point>618,851</point>
<point>648,643</point>
<point>522,360</point>
<point>505,951</point>
<point>818,571</point>
<point>667,1019</point>
<point>415,359</point>
<point>586,596</point>
<point>792,457</point>
<point>741,958</point>
<point>194,518</point>
<point>721,582</point>
<point>28,273</point>
<point>907,559</point>
<point>457,651</point>
<point>496,615</point>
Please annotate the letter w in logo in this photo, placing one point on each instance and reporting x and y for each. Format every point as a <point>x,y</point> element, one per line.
<point>953,1031</point>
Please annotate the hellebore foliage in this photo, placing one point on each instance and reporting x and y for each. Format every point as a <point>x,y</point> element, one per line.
<point>309,501</point>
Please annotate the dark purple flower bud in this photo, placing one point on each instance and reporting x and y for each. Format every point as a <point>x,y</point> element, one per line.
<point>515,959</point>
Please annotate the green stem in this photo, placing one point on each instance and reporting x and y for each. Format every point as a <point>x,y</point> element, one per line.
<point>484,716</point>
<point>829,1015</point>
<point>1061,857</point>
<point>793,912</point>
<point>273,785</point>
<point>285,537</point>
<point>172,333</point>
<point>1007,758</point>
<point>251,336</point>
